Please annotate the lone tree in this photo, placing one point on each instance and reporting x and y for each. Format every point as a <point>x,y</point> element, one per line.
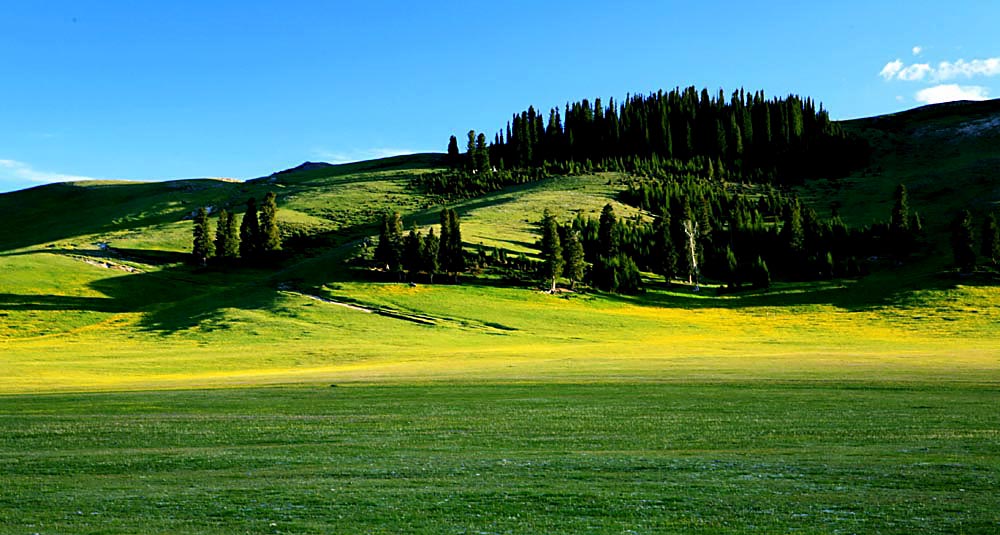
<point>270,237</point>
<point>991,239</point>
<point>963,242</point>
<point>250,232</point>
<point>552,255</point>
<point>454,158</point>
<point>202,248</point>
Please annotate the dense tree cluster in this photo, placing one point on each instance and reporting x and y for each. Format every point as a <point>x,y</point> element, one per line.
<point>745,238</point>
<point>745,135</point>
<point>416,253</point>
<point>255,238</point>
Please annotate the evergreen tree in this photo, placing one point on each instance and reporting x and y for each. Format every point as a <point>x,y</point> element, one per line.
<point>963,242</point>
<point>202,248</point>
<point>666,256</point>
<point>899,223</point>
<point>482,156</point>
<point>250,232</point>
<point>429,254</point>
<point>444,248</point>
<point>221,235</point>
<point>412,252</point>
<point>732,274</point>
<point>455,244</point>
<point>470,152</point>
<point>232,249</point>
<point>991,239</point>
<point>389,251</point>
<point>269,236</point>
<point>760,274</point>
<point>454,158</point>
<point>575,263</point>
<point>607,232</point>
<point>552,255</point>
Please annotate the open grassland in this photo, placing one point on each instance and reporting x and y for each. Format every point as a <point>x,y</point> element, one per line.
<point>741,457</point>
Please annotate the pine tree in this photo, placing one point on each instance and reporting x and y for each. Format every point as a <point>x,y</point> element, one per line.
<point>429,254</point>
<point>761,275</point>
<point>607,232</point>
<point>250,232</point>
<point>575,263</point>
<point>270,237</point>
<point>552,255</point>
<point>482,156</point>
<point>232,249</point>
<point>389,251</point>
<point>962,242</point>
<point>412,251</point>
<point>470,152</point>
<point>202,248</point>
<point>991,239</point>
<point>732,269</point>
<point>665,251</point>
<point>444,249</point>
<point>455,244</point>
<point>454,159</point>
<point>899,223</point>
<point>221,236</point>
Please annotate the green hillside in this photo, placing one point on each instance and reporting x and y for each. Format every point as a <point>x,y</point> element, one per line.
<point>96,294</point>
<point>139,393</point>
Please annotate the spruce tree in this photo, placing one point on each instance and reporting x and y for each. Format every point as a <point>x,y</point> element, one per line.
<point>575,263</point>
<point>899,223</point>
<point>232,249</point>
<point>250,232</point>
<point>202,247</point>
<point>269,236</point>
<point>607,232</point>
<point>456,254</point>
<point>552,255</point>
<point>389,251</point>
<point>412,251</point>
<point>429,254</point>
<point>221,237</point>
<point>963,242</point>
<point>444,249</point>
<point>454,159</point>
<point>991,239</point>
<point>665,252</point>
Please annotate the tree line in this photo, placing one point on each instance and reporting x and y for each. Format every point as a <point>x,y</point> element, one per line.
<point>750,136</point>
<point>963,241</point>
<point>254,238</point>
<point>414,253</point>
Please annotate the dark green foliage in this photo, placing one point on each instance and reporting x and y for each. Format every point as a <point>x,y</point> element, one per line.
<point>551,249</point>
<point>202,247</point>
<point>270,237</point>
<point>451,257</point>
<point>617,274</point>
<point>760,276</point>
<point>222,245</point>
<point>250,232</point>
<point>899,222</point>
<point>963,242</point>
<point>574,255</point>
<point>732,274</point>
<point>990,249</point>
<point>429,254</point>
<point>412,252</point>
<point>607,232</point>
<point>454,158</point>
<point>389,251</point>
<point>665,252</point>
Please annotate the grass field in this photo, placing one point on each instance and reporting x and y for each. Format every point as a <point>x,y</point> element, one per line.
<point>138,394</point>
<point>536,458</point>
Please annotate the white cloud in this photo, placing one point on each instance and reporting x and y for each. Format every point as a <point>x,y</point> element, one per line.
<point>19,174</point>
<point>891,69</point>
<point>358,155</point>
<point>951,93</point>
<point>917,50</point>
<point>942,72</point>
<point>900,98</point>
<point>968,69</point>
<point>917,71</point>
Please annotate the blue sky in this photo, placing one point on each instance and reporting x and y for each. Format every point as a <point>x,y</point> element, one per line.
<point>182,89</point>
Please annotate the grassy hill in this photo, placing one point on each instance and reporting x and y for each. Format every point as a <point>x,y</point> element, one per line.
<point>95,293</point>
<point>858,405</point>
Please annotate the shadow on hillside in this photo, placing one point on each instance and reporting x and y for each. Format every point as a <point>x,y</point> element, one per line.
<point>174,298</point>
<point>853,295</point>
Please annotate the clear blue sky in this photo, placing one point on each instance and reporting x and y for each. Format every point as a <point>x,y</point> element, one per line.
<point>159,90</point>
